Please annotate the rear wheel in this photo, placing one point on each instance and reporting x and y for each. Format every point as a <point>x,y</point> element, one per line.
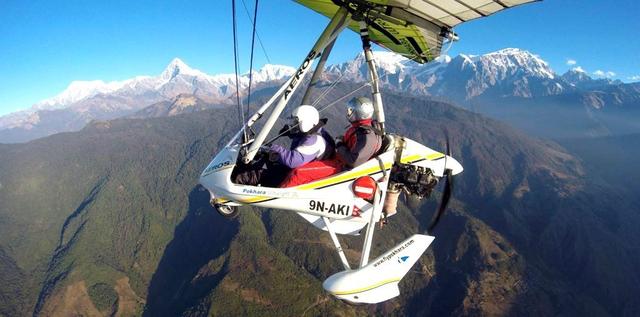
<point>226,211</point>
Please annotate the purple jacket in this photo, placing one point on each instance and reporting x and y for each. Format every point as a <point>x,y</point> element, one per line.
<point>303,149</point>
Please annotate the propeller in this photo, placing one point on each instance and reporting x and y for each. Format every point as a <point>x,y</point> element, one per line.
<point>446,194</point>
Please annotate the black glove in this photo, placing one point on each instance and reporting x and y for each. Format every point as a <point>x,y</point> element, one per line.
<point>274,156</point>
<point>285,131</point>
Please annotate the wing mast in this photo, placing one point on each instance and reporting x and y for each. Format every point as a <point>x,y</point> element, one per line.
<point>339,21</point>
<point>316,73</point>
<point>373,75</point>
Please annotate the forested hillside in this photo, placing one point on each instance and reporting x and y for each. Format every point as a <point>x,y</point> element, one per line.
<point>111,220</point>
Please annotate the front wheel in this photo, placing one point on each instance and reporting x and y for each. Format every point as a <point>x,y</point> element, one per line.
<point>226,211</point>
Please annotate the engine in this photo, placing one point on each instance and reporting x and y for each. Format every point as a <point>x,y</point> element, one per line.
<point>414,180</point>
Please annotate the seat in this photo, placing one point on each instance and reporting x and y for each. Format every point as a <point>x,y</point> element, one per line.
<point>324,168</point>
<point>311,172</point>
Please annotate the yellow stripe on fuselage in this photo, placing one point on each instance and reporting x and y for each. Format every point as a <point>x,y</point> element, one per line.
<point>255,199</point>
<point>342,177</point>
<point>371,170</point>
<point>364,289</point>
<point>434,156</point>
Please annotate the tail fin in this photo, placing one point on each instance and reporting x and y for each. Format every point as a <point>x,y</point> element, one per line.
<point>378,281</point>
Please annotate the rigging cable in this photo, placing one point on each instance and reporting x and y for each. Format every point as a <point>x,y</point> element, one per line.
<point>253,41</point>
<point>327,90</point>
<point>235,62</point>
<point>368,83</point>
<point>264,51</point>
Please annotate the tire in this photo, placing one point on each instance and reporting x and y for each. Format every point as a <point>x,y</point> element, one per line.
<point>226,211</point>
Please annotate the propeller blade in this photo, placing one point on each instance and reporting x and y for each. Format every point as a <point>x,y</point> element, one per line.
<point>446,194</point>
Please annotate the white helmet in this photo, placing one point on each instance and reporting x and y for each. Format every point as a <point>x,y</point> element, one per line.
<point>359,108</point>
<point>305,117</point>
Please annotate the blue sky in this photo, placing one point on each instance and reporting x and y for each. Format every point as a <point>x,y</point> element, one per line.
<point>44,45</point>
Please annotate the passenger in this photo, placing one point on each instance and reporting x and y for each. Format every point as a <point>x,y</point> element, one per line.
<point>361,141</point>
<point>309,142</point>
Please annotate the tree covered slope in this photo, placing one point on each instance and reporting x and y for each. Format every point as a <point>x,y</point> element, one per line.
<point>110,220</point>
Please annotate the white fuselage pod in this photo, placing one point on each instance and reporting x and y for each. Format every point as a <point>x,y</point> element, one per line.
<point>331,197</point>
<point>378,281</point>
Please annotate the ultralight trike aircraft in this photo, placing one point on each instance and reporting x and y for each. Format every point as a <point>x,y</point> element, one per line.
<point>342,204</point>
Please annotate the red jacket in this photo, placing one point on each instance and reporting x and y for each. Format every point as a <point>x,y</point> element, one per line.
<point>359,143</point>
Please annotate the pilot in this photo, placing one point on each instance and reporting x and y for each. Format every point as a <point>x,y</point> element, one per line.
<point>361,141</point>
<point>309,142</point>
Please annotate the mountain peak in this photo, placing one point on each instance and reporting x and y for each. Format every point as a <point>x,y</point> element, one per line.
<point>518,55</point>
<point>386,61</point>
<point>176,67</point>
<point>516,58</point>
<point>269,72</point>
<point>512,51</point>
<point>576,76</point>
<point>176,62</point>
<point>77,90</point>
<point>577,70</point>
<point>276,69</point>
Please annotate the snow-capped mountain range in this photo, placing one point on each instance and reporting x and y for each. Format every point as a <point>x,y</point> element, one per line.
<point>177,78</point>
<point>505,73</point>
<point>461,79</point>
<point>84,101</point>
